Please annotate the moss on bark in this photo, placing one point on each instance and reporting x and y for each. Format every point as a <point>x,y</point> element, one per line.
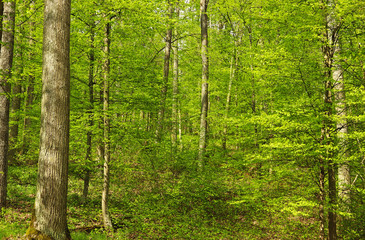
<point>33,234</point>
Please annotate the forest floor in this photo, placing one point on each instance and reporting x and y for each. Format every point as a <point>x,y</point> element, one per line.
<point>171,204</point>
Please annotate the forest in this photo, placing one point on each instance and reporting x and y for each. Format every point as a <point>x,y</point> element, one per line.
<point>182,119</point>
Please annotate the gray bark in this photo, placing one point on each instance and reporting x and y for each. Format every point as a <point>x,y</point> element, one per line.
<point>106,68</point>
<point>329,53</point>
<point>175,91</point>
<point>344,178</point>
<point>6,61</point>
<point>205,78</point>
<point>49,219</point>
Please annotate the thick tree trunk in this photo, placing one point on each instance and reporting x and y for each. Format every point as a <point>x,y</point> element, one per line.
<point>205,77</point>
<point>1,19</point>
<point>49,218</point>
<point>105,195</point>
<point>90,116</point>
<point>166,70</point>
<point>6,61</point>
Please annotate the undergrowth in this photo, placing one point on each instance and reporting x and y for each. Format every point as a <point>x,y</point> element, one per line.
<point>152,200</point>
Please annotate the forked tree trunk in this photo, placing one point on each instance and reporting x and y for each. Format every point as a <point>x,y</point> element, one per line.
<point>106,68</point>
<point>49,219</point>
<point>6,61</point>
<point>205,77</point>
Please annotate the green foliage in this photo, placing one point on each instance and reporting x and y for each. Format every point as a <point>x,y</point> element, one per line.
<point>263,185</point>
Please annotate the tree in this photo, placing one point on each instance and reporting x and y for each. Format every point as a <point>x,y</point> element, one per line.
<point>166,70</point>
<point>106,70</point>
<point>90,111</point>
<point>175,87</point>
<point>49,217</point>
<point>1,19</point>
<point>332,78</point>
<point>6,61</point>
<point>205,77</point>
<point>29,90</point>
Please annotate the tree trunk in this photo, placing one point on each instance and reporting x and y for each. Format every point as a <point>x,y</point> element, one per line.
<point>90,116</point>
<point>175,91</point>
<point>30,88</point>
<point>49,218</point>
<point>14,129</point>
<point>106,68</point>
<point>328,138</point>
<point>1,19</point>
<point>344,179</point>
<point>205,77</point>
<point>322,198</point>
<point>6,61</point>
<point>166,70</point>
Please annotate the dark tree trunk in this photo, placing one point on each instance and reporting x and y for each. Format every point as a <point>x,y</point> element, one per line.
<point>6,61</point>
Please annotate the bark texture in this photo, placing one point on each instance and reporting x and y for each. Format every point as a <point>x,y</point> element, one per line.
<point>106,69</point>
<point>205,77</point>
<point>329,49</point>
<point>49,219</point>
<point>6,61</point>
<point>175,90</point>
<point>1,19</point>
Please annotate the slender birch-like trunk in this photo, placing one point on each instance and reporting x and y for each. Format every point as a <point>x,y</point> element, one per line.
<point>175,90</point>
<point>330,53</point>
<point>106,69</point>
<point>205,77</point>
